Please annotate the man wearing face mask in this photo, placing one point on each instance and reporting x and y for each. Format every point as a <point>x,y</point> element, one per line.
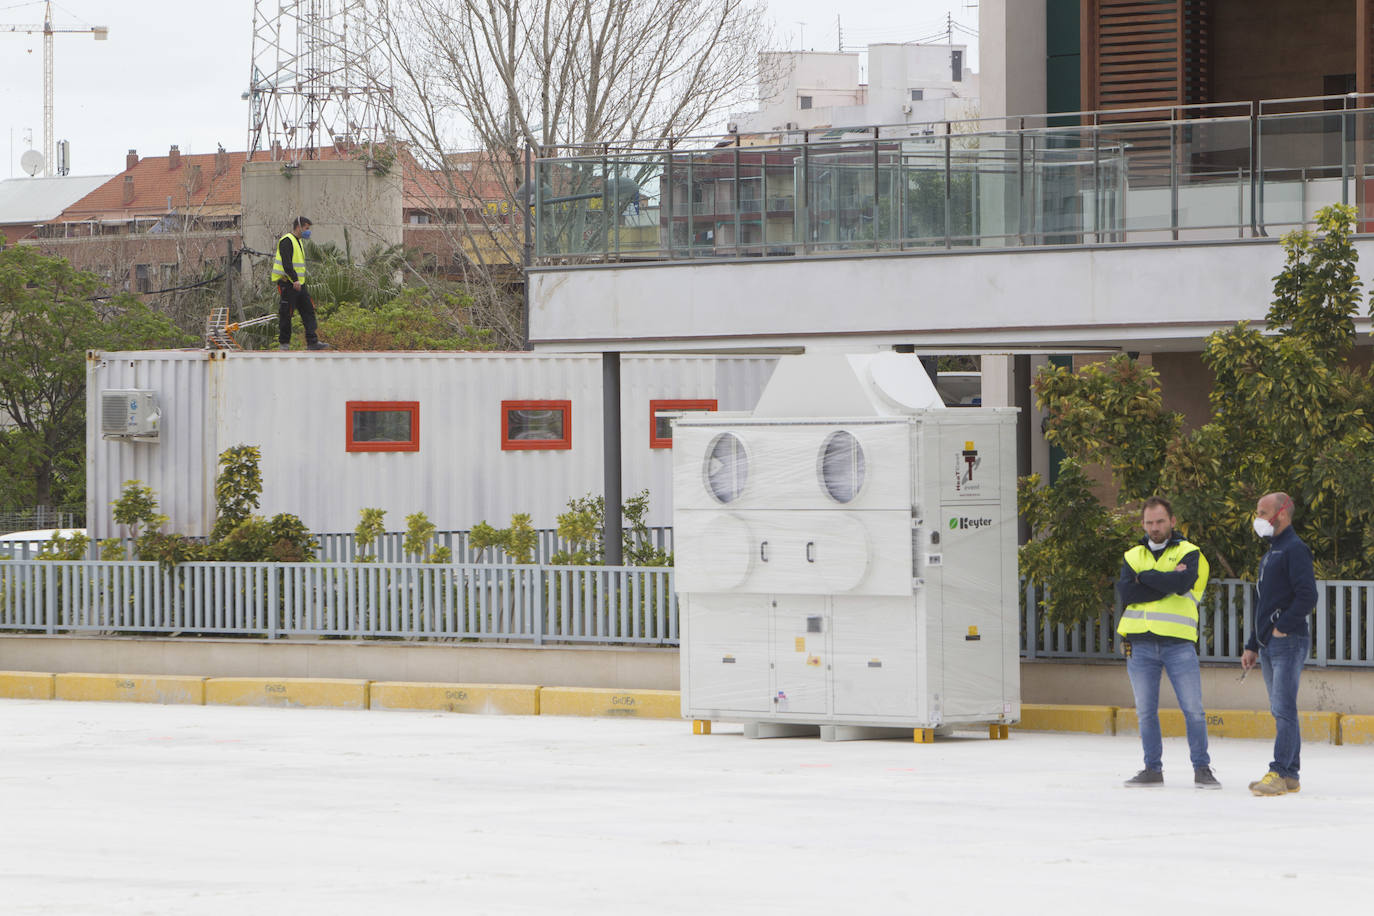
<point>1162,581</point>
<point>288,272</point>
<point>1285,595</point>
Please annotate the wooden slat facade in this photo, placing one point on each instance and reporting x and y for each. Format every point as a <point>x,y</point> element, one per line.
<point>1145,53</point>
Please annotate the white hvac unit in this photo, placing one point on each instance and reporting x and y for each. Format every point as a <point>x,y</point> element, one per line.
<point>846,556</point>
<point>129,413</point>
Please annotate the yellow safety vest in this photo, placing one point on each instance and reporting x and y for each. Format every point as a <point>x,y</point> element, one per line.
<point>297,259</point>
<point>1172,615</point>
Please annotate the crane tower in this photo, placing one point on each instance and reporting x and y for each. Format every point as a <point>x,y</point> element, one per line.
<point>100,32</point>
<point>320,77</point>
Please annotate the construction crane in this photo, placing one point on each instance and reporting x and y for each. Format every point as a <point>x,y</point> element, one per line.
<point>100,32</point>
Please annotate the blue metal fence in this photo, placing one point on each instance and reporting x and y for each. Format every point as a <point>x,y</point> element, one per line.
<point>1342,626</point>
<point>534,603</point>
<point>576,604</point>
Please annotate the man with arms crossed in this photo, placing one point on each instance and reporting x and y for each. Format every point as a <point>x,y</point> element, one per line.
<point>1162,581</point>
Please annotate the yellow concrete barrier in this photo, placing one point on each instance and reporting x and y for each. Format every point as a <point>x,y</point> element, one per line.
<point>1236,723</point>
<point>131,688</point>
<point>492,699</point>
<point>597,701</point>
<point>341,693</point>
<point>1094,720</point>
<point>26,685</point>
<point>1357,729</point>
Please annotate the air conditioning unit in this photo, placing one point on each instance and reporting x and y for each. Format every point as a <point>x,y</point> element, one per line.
<point>791,125</point>
<point>129,413</point>
<point>906,109</point>
<point>732,127</point>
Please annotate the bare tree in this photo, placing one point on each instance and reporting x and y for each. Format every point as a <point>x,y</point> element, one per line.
<point>503,76</point>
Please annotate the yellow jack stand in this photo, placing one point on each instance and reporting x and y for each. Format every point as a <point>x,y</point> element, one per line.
<point>923,735</point>
<point>997,732</point>
<point>701,726</point>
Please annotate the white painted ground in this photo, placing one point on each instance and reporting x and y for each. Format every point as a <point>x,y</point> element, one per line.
<point>128,809</point>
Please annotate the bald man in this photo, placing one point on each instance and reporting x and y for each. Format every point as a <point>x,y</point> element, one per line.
<point>1285,596</point>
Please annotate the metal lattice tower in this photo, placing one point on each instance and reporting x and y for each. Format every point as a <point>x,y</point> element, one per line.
<point>321,77</point>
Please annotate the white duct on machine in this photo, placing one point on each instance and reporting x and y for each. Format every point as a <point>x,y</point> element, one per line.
<point>846,556</point>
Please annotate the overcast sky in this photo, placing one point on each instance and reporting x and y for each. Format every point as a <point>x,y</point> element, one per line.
<point>173,71</point>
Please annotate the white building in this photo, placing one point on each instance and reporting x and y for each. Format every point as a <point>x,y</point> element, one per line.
<point>907,84</point>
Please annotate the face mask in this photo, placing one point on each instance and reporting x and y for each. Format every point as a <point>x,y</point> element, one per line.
<point>1263,527</point>
<point>305,233</point>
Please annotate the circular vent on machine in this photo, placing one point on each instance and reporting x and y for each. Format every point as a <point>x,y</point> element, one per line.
<point>727,467</point>
<point>842,466</point>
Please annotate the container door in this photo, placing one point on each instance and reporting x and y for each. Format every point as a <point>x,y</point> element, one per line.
<point>801,655</point>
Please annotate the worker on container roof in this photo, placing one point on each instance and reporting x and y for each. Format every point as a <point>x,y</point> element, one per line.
<point>288,272</point>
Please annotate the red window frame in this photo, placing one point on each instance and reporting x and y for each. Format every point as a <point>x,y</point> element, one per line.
<point>354,407</point>
<point>656,441</point>
<point>509,444</point>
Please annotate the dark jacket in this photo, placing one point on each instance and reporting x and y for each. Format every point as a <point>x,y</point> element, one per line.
<point>1152,585</point>
<point>1286,590</point>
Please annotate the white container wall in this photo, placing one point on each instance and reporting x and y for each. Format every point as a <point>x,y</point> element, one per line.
<point>295,407</point>
<point>848,573</point>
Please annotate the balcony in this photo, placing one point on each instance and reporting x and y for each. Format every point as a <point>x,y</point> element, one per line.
<point>1194,173</point>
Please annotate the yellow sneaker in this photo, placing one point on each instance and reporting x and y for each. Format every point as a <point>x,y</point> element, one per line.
<point>1291,784</point>
<point>1271,784</point>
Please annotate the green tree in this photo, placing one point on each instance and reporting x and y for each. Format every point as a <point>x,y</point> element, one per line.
<point>49,317</point>
<point>1289,412</point>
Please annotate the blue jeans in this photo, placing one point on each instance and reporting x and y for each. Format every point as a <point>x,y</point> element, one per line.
<point>1148,658</point>
<point>1282,661</point>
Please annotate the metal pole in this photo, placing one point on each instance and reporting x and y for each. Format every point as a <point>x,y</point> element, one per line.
<point>229,279</point>
<point>610,455</point>
<point>526,256</point>
<point>804,212</point>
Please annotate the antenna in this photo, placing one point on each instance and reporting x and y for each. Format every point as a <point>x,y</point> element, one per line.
<point>320,77</point>
<point>31,162</point>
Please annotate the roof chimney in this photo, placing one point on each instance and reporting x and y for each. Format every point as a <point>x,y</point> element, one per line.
<point>173,157</point>
<point>128,189</point>
<point>221,161</point>
<point>131,159</point>
<point>276,150</point>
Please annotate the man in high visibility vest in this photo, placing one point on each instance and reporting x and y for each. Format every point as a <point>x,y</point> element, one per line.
<point>288,272</point>
<point>1162,581</point>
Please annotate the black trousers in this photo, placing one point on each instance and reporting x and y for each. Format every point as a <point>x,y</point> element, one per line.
<point>294,300</point>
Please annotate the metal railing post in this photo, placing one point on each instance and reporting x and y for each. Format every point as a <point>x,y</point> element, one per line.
<point>1173,175</point>
<point>739,201</point>
<point>949,188</point>
<point>50,598</point>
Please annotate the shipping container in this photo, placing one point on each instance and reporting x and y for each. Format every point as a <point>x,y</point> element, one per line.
<point>462,437</point>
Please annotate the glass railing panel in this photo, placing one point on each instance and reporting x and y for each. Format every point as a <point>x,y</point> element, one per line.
<point>921,181</point>
<point>633,202</point>
<point>1305,163</point>
<point>841,197</point>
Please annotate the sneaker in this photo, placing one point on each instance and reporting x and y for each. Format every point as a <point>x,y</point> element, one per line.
<point>1204,778</point>
<point>282,346</point>
<point>1145,779</point>
<point>1291,784</point>
<point>1271,784</point>
<point>317,345</point>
